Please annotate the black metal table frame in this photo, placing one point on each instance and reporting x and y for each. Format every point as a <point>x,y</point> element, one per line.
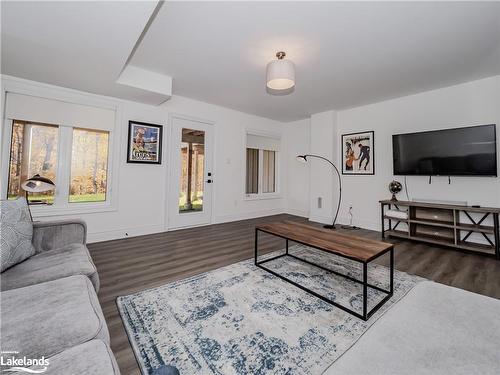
<point>366,314</point>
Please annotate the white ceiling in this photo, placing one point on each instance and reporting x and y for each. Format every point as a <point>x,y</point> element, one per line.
<point>75,44</point>
<point>346,53</point>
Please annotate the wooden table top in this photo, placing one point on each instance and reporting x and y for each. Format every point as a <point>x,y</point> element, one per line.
<point>357,248</point>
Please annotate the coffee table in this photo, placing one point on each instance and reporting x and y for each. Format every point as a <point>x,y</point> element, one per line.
<point>358,249</point>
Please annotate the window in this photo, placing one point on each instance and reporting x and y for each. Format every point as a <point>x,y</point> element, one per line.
<point>33,150</point>
<point>261,165</point>
<point>37,148</point>
<point>268,173</point>
<point>252,171</point>
<point>89,166</point>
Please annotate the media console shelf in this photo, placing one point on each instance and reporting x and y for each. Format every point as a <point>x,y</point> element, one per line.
<point>443,224</point>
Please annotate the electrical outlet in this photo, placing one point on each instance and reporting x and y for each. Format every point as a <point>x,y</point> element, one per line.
<point>320,202</point>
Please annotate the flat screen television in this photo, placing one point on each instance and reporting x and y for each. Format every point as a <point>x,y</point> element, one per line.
<point>469,151</point>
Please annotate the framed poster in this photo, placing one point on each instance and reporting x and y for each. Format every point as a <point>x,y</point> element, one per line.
<point>358,153</point>
<point>144,143</point>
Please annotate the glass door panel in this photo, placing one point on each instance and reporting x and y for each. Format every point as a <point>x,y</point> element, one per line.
<point>192,183</point>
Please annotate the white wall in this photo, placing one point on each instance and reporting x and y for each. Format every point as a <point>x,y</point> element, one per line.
<point>472,103</point>
<point>297,140</point>
<point>142,189</point>
<point>322,180</point>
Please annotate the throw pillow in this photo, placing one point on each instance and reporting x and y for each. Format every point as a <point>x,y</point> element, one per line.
<point>16,232</point>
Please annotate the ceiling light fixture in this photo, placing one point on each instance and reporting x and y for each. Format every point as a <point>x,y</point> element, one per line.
<point>280,73</point>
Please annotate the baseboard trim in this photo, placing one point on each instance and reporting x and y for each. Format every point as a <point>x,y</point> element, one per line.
<point>295,212</point>
<point>365,224</point>
<point>321,219</point>
<point>124,233</point>
<point>247,215</point>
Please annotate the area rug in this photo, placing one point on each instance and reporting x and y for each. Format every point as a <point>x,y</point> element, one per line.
<point>240,319</point>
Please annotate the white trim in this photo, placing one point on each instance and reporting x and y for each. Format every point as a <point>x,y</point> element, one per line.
<point>124,233</point>
<point>278,169</point>
<point>264,133</point>
<point>62,205</point>
<point>247,215</point>
<point>321,219</point>
<point>169,218</point>
<point>43,90</point>
<point>262,196</point>
<point>5,159</point>
<point>297,212</point>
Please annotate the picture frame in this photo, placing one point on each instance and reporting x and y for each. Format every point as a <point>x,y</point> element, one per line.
<point>358,153</point>
<point>144,144</point>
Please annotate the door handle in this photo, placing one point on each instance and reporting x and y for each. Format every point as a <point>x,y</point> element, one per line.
<point>209,181</point>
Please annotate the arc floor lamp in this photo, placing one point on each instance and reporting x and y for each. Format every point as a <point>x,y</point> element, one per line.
<point>303,159</point>
<point>36,184</point>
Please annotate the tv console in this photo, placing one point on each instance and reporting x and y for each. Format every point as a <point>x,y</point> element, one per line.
<point>441,224</point>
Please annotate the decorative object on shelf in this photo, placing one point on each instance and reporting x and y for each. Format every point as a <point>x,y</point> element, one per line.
<point>280,75</point>
<point>37,184</point>
<point>303,159</point>
<point>144,143</point>
<point>358,153</point>
<point>395,187</point>
<point>397,214</point>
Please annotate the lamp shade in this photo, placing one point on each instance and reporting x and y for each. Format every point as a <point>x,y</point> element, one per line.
<point>38,184</point>
<point>301,158</point>
<point>280,73</point>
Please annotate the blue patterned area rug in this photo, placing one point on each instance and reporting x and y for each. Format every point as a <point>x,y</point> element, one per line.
<point>240,319</point>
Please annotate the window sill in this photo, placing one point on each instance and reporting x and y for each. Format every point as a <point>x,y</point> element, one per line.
<point>263,196</point>
<point>72,209</point>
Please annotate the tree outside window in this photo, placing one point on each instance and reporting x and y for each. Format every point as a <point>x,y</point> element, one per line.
<point>35,150</point>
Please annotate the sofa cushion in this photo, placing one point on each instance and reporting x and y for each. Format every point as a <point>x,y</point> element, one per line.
<point>16,232</point>
<point>50,265</point>
<point>45,319</point>
<point>434,329</point>
<point>93,357</point>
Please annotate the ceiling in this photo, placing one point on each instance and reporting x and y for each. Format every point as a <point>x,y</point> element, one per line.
<point>75,44</point>
<point>346,53</point>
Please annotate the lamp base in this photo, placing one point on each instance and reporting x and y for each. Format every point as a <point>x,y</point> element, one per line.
<point>329,226</point>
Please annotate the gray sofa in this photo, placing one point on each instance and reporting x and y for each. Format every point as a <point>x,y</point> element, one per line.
<point>49,305</point>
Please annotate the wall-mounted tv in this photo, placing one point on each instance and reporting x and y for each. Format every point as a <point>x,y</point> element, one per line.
<point>468,151</point>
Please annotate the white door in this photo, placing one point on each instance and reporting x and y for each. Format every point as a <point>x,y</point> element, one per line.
<point>191,177</point>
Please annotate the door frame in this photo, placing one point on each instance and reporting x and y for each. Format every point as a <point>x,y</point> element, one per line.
<point>170,170</point>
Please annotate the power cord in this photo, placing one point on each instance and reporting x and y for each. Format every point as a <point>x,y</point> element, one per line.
<point>406,190</point>
<point>350,226</point>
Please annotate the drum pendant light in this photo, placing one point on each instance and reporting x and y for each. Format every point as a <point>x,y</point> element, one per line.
<point>280,73</point>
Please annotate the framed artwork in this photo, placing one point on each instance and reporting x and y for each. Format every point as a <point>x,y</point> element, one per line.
<point>358,153</point>
<point>144,143</point>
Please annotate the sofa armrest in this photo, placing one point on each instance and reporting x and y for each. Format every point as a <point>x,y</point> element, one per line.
<point>49,235</point>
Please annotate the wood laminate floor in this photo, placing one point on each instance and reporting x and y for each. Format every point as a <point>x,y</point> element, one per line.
<point>134,264</point>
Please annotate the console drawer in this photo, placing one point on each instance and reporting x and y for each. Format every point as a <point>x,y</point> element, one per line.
<point>433,214</point>
<point>438,232</point>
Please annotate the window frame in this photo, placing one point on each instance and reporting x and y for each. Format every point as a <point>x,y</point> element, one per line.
<point>260,195</point>
<point>61,205</point>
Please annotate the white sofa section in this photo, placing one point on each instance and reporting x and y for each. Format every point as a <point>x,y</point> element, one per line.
<point>434,329</point>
